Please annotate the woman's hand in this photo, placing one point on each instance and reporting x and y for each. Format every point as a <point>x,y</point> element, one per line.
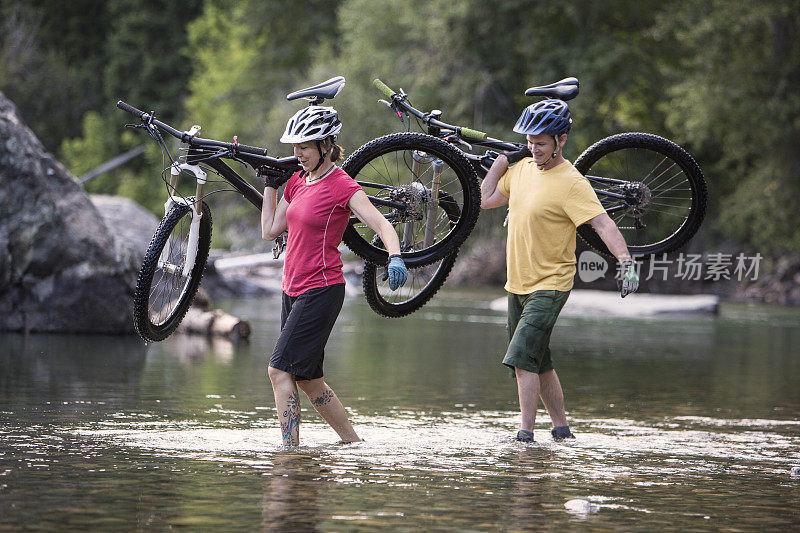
<point>397,272</point>
<point>274,178</point>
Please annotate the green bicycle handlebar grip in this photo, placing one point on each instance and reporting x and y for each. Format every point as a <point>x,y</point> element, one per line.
<point>474,134</point>
<point>382,87</point>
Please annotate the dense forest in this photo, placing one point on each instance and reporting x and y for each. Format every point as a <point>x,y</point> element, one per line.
<point>719,77</point>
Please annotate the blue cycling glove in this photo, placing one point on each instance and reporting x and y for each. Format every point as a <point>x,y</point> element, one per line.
<point>397,272</point>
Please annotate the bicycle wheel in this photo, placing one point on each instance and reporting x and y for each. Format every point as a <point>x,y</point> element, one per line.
<point>409,176</point>
<point>421,285</point>
<point>163,294</point>
<point>651,187</point>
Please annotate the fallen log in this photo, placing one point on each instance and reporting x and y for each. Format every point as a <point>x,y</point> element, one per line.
<point>215,323</point>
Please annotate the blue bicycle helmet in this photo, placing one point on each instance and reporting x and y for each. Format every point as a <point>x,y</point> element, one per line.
<point>548,116</point>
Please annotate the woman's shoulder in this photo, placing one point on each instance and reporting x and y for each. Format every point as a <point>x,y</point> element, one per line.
<point>342,178</point>
<point>339,174</point>
<point>293,182</point>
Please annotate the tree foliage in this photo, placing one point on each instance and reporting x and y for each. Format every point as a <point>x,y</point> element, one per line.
<point>718,76</point>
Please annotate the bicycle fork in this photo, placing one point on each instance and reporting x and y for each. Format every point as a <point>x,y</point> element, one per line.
<point>432,198</point>
<point>196,206</point>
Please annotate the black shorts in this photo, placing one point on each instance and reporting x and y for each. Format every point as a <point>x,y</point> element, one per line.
<point>306,324</point>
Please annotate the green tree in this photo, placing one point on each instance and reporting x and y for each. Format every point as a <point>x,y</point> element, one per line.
<point>144,64</point>
<point>147,62</point>
<point>734,98</point>
<point>247,56</point>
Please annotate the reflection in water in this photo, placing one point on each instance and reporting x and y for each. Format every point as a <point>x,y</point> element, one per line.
<point>194,349</point>
<point>72,367</point>
<point>291,493</point>
<point>691,424</point>
<point>533,469</point>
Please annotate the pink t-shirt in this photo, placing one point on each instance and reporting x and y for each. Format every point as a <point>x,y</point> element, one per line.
<point>316,218</point>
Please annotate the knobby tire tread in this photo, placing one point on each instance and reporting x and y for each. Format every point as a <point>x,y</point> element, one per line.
<point>389,310</point>
<point>144,326</point>
<point>451,156</point>
<point>666,147</point>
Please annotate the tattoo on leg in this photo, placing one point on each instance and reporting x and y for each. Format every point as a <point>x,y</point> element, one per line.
<point>326,398</point>
<point>290,421</point>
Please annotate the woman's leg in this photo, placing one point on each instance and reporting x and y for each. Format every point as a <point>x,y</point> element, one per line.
<point>329,407</point>
<point>287,403</point>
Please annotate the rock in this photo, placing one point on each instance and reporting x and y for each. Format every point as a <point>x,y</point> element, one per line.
<point>608,303</point>
<point>226,276</point>
<point>484,263</point>
<point>60,267</point>
<point>579,506</point>
<point>128,221</point>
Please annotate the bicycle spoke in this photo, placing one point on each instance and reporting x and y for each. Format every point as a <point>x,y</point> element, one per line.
<point>396,170</point>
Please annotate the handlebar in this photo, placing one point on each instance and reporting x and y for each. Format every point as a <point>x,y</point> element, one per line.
<point>382,87</point>
<point>185,137</point>
<point>400,100</point>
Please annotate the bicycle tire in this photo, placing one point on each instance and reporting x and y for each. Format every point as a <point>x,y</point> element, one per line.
<point>653,166</point>
<point>161,298</point>
<point>418,290</point>
<point>385,164</point>
<point>420,286</point>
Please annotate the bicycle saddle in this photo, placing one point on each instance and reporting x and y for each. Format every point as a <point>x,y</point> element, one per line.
<point>325,90</point>
<point>566,89</point>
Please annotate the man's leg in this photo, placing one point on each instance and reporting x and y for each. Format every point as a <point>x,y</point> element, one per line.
<point>552,397</point>
<point>528,390</point>
<point>329,407</point>
<point>287,403</point>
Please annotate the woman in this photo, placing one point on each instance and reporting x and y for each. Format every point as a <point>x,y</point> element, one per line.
<point>315,208</point>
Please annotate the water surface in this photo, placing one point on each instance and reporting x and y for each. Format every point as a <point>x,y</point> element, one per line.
<point>682,423</point>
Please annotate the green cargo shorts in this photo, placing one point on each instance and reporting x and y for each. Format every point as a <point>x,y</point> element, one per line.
<point>531,318</point>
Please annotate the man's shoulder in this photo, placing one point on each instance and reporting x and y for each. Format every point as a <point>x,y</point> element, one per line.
<point>569,170</point>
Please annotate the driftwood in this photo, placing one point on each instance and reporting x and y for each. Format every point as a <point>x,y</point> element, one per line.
<point>215,323</point>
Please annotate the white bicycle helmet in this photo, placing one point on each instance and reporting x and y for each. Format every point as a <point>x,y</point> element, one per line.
<point>312,123</point>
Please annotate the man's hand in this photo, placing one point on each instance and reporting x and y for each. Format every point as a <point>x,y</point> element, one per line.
<point>274,177</point>
<point>629,279</point>
<point>522,153</point>
<point>397,272</point>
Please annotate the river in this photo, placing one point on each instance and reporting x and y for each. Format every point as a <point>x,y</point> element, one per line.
<point>682,423</point>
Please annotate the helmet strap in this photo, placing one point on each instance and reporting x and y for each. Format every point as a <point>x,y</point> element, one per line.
<point>321,156</point>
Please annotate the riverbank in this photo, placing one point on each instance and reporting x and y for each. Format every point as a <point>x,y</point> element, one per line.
<point>777,282</point>
<point>731,274</point>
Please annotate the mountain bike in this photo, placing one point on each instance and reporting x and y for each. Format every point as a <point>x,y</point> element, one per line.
<point>651,187</point>
<point>174,262</point>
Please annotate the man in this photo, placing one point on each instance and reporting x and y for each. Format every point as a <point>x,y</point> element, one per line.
<point>547,200</point>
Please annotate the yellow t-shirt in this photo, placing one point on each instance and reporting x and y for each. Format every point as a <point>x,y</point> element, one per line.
<point>544,210</point>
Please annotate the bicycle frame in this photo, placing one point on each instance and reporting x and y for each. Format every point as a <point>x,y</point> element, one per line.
<point>212,153</point>
<point>467,136</point>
